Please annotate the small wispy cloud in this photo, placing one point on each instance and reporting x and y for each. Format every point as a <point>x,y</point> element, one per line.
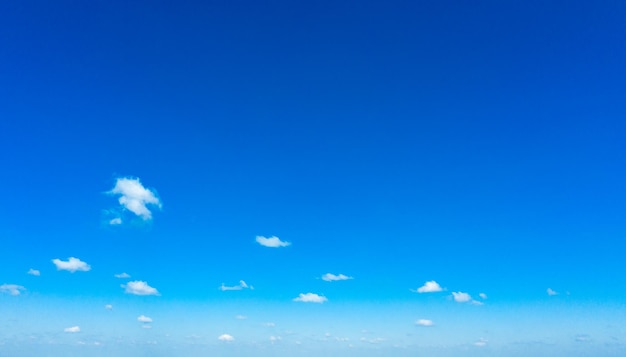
<point>144,318</point>
<point>429,287</point>
<point>115,221</point>
<point>551,292</point>
<point>72,265</point>
<point>122,276</point>
<point>272,242</point>
<point>134,197</point>
<point>372,340</point>
<point>72,329</point>
<point>139,288</point>
<point>12,289</point>
<point>424,322</point>
<point>242,285</point>
<point>108,307</point>
<point>461,297</point>
<point>483,296</point>
<point>481,343</point>
<point>274,339</point>
<point>333,277</point>
<point>311,297</point>
<point>269,324</point>
<point>241,317</point>
<point>146,326</point>
<point>226,337</point>
<point>33,272</point>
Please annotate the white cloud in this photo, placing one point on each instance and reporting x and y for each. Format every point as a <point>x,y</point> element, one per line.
<point>333,277</point>
<point>551,292</point>
<point>108,307</point>
<point>372,340</point>
<point>476,302</point>
<point>310,297</point>
<point>241,317</point>
<point>122,276</point>
<point>226,337</point>
<point>34,272</point>
<point>275,338</point>
<point>429,287</point>
<point>72,329</point>
<point>115,221</point>
<point>146,326</point>
<point>11,289</point>
<point>272,242</point>
<point>483,296</point>
<point>424,322</point>
<point>461,297</point>
<point>144,318</point>
<point>242,285</point>
<point>72,265</point>
<point>139,288</point>
<point>481,343</point>
<point>134,197</point>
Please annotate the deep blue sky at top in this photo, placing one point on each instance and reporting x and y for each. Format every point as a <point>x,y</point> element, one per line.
<point>480,142</point>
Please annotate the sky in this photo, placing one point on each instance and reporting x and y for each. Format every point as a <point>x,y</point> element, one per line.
<point>280,178</point>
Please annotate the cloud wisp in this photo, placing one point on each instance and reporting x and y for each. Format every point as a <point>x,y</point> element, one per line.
<point>71,264</point>
<point>551,292</point>
<point>272,242</point>
<point>73,329</point>
<point>135,198</point>
<point>33,272</point>
<point>461,297</point>
<point>226,337</point>
<point>12,289</point>
<point>144,319</point>
<point>122,276</point>
<point>332,277</point>
<point>424,322</point>
<point>242,285</point>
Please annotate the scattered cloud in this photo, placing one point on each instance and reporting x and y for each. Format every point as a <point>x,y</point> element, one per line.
<point>272,242</point>
<point>269,324</point>
<point>122,276</point>
<point>310,297</point>
<point>226,337</point>
<point>275,338</point>
<point>115,221</point>
<point>12,289</point>
<point>461,297</point>
<point>333,277</point>
<point>34,272</point>
<point>424,322</point>
<point>551,292</point>
<point>583,338</point>
<point>242,285</point>
<point>241,317</point>
<point>481,343</point>
<point>72,265</point>
<point>108,307</point>
<point>144,318</point>
<point>139,288</point>
<point>476,302</point>
<point>146,326</point>
<point>372,340</point>
<point>135,197</point>
<point>429,287</point>
<point>483,296</point>
<point>72,329</point>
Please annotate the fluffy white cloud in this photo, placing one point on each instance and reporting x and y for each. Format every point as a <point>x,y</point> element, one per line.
<point>483,296</point>
<point>115,221</point>
<point>424,322</point>
<point>429,287</point>
<point>72,265</point>
<point>144,318</point>
<point>108,307</point>
<point>134,197</point>
<point>242,285</point>
<point>139,288</point>
<point>310,297</point>
<point>11,289</point>
<point>34,272</point>
<point>551,292</point>
<point>272,242</point>
<point>122,276</point>
<point>333,277</point>
<point>461,297</point>
<point>72,329</point>
<point>226,337</point>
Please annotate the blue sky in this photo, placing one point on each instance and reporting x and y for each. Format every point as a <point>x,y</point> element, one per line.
<point>227,156</point>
